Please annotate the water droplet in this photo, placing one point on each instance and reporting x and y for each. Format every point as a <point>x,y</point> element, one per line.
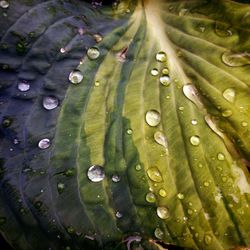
<point>23,86</point>
<point>118,215</point>
<point>96,173</point>
<point>116,178</point>
<point>195,140</point>
<point>98,38</point>
<point>154,72</point>
<point>222,29</point>
<point>44,143</point>
<point>165,80</point>
<point>4,4</point>
<point>165,71</point>
<point>50,102</point>
<point>159,234</point>
<point>229,95</point>
<point>154,174</point>
<point>81,31</point>
<point>161,56</point>
<point>194,122</point>
<point>202,28</point>
<point>60,187</point>
<point>236,59</point>
<point>162,212</point>
<point>93,53</point>
<point>162,192</point>
<point>183,12</point>
<point>150,197</point>
<point>129,131</point>
<point>208,239</point>
<point>161,139</point>
<point>244,124</point>
<point>153,118</point>
<point>62,50</point>
<point>181,108</point>
<point>192,94</point>
<point>97,83</point>
<point>206,183</point>
<point>226,113</point>
<point>138,167</point>
<point>75,76</point>
<point>180,196</point>
<point>220,156</point>
<point>190,211</point>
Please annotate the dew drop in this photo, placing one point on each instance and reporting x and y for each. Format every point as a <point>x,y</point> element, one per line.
<point>60,187</point>
<point>161,56</point>
<point>190,211</point>
<point>159,233</point>
<point>153,118</point>
<point>226,113</point>
<point>96,173</point>
<point>244,124</point>
<point>23,86</point>
<point>194,122</point>
<point>150,197</point>
<point>222,30</point>
<point>138,167</point>
<point>98,38</point>
<point>195,140</point>
<point>165,80</point>
<point>161,139</point>
<point>192,94</point>
<point>50,102</point>
<point>162,212</point>
<point>180,196</point>
<point>154,72</point>
<point>220,156</point>
<point>97,83</point>
<point>154,174</point>
<point>236,59</point>
<point>93,53</point>
<point>75,76</point>
<point>62,50</point>
<point>129,131</point>
<point>206,184</point>
<point>4,4</point>
<point>201,28</point>
<point>118,215</point>
<point>162,192</point>
<point>229,95</point>
<point>116,178</point>
<point>208,239</point>
<point>183,12</point>
<point>44,143</point>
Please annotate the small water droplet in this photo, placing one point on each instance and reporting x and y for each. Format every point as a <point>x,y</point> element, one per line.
<point>162,192</point>
<point>23,86</point>
<point>220,156</point>
<point>165,80</point>
<point>138,167</point>
<point>165,71</point>
<point>153,118</point>
<point>50,102</point>
<point>96,173</point>
<point>154,72</point>
<point>150,197</point>
<point>16,141</point>
<point>161,139</point>
<point>181,108</point>
<point>196,235</point>
<point>180,196</point>
<point>244,124</point>
<point>98,38</point>
<point>97,83</point>
<point>190,211</point>
<point>154,174</point>
<point>226,113</point>
<point>93,53</point>
<point>44,143</point>
<point>208,239</point>
<point>195,140</point>
<point>162,212</point>
<point>183,12</point>
<point>60,187</point>
<point>229,95</point>
<point>62,50</point>
<point>202,28</point>
<point>206,184</point>
<point>116,178</point>
<point>75,76</point>
<point>194,122</point>
<point>118,215</point>
<point>159,234</point>
<point>222,29</point>
<point>161,56</point>
<point>129,131</point>
<point>236,59</point>
<point>4,4</point>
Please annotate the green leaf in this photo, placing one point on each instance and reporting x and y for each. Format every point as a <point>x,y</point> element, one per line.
<point>125,127</point>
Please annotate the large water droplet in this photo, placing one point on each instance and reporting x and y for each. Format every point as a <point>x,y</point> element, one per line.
<point>222,29</point>
<point>44,143</point>
<point>165,80</point>
<point>153,118</point>
<point>154,174</point>
<point>93,53</point>
<point>150,197</point>
<point>236,59</point>
<point>4,4</point>
<point>75,76</point>
<point>161,139</point>
<point>195,140</point>
<point>50,102</point>
<point>159,234</point>
<point>192,94</point>
<point>96,173</point>
<point>23,86</point>
<point>161,56</point>
<point>154,72</point>
<point>229,95</point>
<point>162,212</point>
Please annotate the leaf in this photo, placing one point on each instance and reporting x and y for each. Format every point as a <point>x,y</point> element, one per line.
<point>125,128</point>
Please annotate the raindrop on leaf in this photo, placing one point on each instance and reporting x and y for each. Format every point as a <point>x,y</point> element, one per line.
<point>162,212</point>
<point>93,53</point>
<point>75,76</point>
<point>96,173</point>
<point>44,143</point>
<point>153,118</point>
<point>236,59</point>
<point>50,102</point>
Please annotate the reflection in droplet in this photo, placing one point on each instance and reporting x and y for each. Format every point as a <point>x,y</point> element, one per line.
<point>162,212</point>
<point>154,174</point>
<point>180,196</point>
<point>116,178</point>
<point>226,113</point>
<point>161,139</point>
<point>96,173</point>
<point>154,72</point>
<point>165,80</point>
<point>153,118</point>
<point>138,167</point>
<point>161,56</point>
<point>4,4</point>
<point>50,102</point>
<point>236,59</point>
<point>195,140</point>
<point>220,156</point>
<point>44,143</point>
<point>159,233</point>
<point>23,86</point>
<point>118,215</point>
<point>93,53</point>
<point>129,131</point>
<point>75,76</point>
<point>229,95</point>
<point>162,192</point>
<point>150,197</point>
